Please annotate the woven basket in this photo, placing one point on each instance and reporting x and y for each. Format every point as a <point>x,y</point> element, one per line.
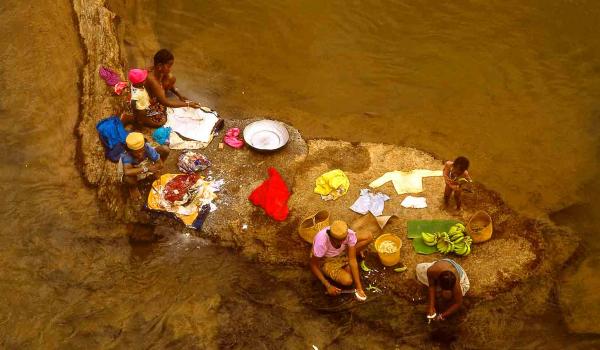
<point>481,219</point>
<point>311,225</point>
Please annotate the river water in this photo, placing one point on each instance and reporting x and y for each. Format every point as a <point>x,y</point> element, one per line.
<point>513,85</point>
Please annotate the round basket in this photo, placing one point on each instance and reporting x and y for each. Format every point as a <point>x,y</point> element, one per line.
<point>311,225</point>
<point>484,221</point>
<point>388,259</point>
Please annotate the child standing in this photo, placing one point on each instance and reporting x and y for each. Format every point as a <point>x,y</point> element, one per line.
<point>455,175</point>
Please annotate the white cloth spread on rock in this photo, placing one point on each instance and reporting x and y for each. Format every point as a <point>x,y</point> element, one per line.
<point>370,202</point>
<point>414,202</point>
<point>176,142</point>
<point>192,123</point>
<point>406,182</point>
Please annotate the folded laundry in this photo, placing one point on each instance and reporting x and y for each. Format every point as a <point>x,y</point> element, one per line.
<point>369,202</point>
<point>406,182</point>
<point>414,202</point>
<point>332,185</point>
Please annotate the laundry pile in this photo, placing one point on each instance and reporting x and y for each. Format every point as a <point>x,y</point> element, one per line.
<point>184,195</point>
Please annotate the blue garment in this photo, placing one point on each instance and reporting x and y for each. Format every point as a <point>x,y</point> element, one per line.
<point>458,268</point>
<point>112,135</point>
<point>111,131</point>
<point>161,135</point>
<point>150,154</point>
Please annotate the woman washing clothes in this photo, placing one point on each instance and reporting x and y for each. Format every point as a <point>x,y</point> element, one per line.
<point>447,283</point>
<point>160,81</point>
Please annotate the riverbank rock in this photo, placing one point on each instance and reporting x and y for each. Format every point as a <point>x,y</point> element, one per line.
<point>517,251</point>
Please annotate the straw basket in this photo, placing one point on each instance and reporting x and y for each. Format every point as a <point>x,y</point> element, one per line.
<point>481,219</point>
<point>311,225</point>
<point>388,259</point>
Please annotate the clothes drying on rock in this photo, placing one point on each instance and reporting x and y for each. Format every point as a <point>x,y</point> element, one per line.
<point>406,181</point>
<point>414,202</point>
<point>370,202</point>
<point>192,123</point>
<point>332,185</point>
<point>272,195</point>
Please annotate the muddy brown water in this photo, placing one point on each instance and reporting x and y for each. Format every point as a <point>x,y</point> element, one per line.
<point>512,84</point>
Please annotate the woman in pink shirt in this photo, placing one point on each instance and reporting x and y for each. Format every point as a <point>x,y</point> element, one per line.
<point>328,257</point>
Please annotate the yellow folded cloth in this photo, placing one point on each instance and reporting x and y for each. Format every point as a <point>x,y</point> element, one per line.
<point>333,184</point>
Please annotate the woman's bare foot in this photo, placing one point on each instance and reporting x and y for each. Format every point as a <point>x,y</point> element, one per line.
<point>135,194</point>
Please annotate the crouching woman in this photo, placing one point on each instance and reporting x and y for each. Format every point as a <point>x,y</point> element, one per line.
<point>334,254</point>
<point>140,161</point>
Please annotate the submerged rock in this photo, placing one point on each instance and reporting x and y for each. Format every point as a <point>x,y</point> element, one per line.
<point>579,297</point>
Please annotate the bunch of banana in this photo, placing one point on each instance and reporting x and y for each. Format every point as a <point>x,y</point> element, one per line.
<point>462,243</point>
<point>454,240</point>
<point>444,244</point>
<point>430,238</point>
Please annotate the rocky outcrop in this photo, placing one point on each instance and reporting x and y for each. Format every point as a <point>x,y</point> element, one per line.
<point>521,249</point>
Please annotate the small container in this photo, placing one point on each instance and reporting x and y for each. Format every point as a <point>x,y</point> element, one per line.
<point>388,259</point>
<point>483,220</point>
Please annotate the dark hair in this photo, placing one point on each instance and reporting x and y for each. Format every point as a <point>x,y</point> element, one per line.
<point>461,163</point>
<point>447,280</point>
<point>163,56</point>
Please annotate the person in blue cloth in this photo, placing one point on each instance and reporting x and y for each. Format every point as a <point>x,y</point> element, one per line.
<point>447,282</point>
<point>140,161</point>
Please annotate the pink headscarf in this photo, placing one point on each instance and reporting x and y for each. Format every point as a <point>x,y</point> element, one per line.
<point>137,75</point>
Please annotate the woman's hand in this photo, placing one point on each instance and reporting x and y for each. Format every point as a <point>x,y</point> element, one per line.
<point>361,295</point>
<point>333,290</point>
<point>439,317</point>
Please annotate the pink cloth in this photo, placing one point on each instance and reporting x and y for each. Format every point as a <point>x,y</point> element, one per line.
<point>322,245</point>
<point>110,76</point>
<point>119,87</point>
<point>231,138</point>
<point>137,75</point>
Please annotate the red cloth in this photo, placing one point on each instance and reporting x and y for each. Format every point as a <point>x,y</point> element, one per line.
<point>272,195</point>
<point>179,186</point>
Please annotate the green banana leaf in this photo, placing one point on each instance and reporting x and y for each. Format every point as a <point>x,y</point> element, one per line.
<point>422,248</point>
<point>415,227</point>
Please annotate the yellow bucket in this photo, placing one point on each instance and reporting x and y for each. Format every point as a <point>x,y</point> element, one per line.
<point>388,259</point>
<point>483,221</point>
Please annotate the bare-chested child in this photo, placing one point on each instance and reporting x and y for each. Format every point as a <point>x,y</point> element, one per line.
<point>455,176</point>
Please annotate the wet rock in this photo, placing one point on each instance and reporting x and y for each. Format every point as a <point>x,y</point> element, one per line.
<point>519,249</point>
<point>579,297</point>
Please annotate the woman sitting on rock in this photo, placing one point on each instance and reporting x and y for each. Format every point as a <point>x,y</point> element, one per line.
<point>139,162</point>
<point>158,82</point>
<point>334,254</point>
